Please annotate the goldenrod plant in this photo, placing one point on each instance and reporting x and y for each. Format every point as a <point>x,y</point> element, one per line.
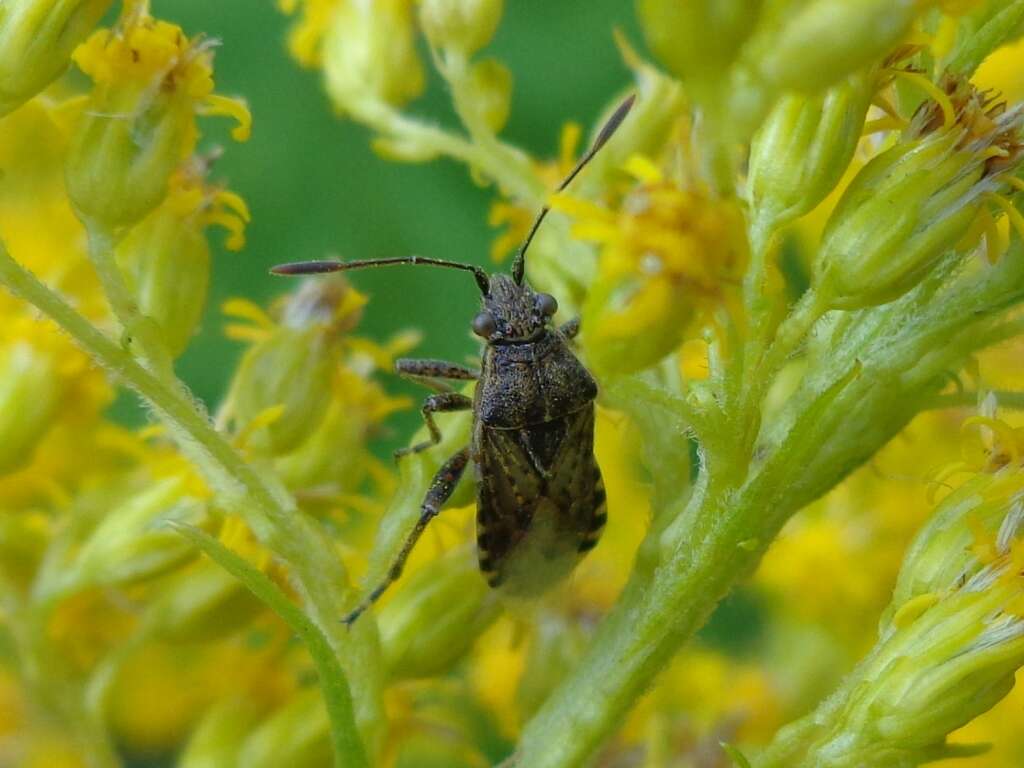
<point>799,265</point>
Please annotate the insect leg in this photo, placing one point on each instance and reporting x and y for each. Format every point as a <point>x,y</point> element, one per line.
<point>443,402</point>
<point>570,329</point>
<point>441,488</point>
<point>427,372</point>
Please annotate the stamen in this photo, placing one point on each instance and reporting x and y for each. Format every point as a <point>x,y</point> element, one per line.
<point>940,96</point>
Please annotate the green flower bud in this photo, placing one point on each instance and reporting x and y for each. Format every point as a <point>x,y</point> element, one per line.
<point>297,735</point>
<point>283,385</point>
<point>463,25</point>
<point>30,392</point>
<point>215,742</point>
<point>369,56</point>
<point>36,41</point>
<point>139,122</point>
<point>903,211</point>
<point>488,93</point>
<point>698,39</point>
<point>612,340</point>
<point>933,674</point>
<point>129,544</point>
<point>803,148</point>
<point>166,263</point>
<point>828,40</point>
<point>945,553</point>
<point>435,616</point>
<point>200,604</point>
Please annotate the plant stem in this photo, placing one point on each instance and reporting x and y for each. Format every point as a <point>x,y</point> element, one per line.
<point>504,164</point>
<point>270,511</point>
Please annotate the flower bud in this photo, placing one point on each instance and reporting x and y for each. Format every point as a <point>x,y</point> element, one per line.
<point>166,258</point>
<point>435,616</point>
<point>284,383</point>
<point>931,675</point>
<point>698,39</point>
<point>129,544</point>
<point>201,604</point>
<point>632,323</point>
<point>946,551</point>
<point>296,735</point>
<point>803,148</point>
<point>30,392</point>
<point>36,41</point>
<point>463,25</point>
<point>667,253</point>
<point>139,122</point>
<point>488,92</point>
<point>906,209</point>
<point>369,56</point>
<point>828,40</point>
<point>215,741</point>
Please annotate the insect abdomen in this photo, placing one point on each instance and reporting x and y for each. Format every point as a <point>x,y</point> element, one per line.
<point>540,501</point>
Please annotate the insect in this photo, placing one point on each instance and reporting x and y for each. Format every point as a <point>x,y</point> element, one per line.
<point>540,498</point>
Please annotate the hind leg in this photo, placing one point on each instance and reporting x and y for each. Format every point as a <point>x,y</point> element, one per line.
<point>441,489</point>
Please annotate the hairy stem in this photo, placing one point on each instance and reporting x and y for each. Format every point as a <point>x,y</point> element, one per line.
<point>271,512</point>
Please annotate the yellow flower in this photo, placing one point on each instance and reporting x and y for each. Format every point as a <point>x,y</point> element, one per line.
<point>306,35</point>
<point>138,125</point>
<point>369,56</point>
<point>667,253</point>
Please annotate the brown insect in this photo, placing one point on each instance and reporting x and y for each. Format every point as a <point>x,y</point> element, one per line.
<point>540,499</point>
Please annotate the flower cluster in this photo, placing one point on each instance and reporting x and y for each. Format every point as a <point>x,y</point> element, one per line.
<point>798,264</point>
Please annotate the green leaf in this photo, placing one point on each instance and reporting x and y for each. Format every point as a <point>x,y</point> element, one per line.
<point>735,755</point>
<point>1003,27</point>
<point>348,748</point>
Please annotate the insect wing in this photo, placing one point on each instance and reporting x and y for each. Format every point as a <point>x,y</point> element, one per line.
<point>540,501</point>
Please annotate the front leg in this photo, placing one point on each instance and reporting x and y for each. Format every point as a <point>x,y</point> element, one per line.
<point>428,372</point>
<point>441,489</point>
<point>445,402</point>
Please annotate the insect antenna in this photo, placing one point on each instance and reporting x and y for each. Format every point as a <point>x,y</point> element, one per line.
<point>606,132</point>
<point>320,267</point>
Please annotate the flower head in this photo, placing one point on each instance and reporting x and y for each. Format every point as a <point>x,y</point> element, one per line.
<point>150,82</point>
<point>666,253</point>
<point>914,203</point>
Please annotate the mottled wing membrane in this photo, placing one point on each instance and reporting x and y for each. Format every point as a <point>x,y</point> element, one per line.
<point>545,469</point>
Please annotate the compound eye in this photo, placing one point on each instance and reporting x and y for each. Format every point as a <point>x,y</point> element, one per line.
<point>484,325</point>
<point>546,304</point>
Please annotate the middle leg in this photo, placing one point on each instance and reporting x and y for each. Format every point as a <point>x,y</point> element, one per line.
<point>444,402</point>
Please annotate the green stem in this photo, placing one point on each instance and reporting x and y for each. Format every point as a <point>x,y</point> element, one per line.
<point>506,165</point>
<point>268,509</point>
<point>138,328</point>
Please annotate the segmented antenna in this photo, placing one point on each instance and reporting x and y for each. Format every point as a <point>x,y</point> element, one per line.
<point>320,267</point>
<point>606,132</point>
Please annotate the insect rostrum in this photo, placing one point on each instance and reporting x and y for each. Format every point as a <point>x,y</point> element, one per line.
<point>539,495</point>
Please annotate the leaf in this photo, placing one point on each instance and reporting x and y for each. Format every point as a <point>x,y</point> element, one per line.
<point>348,747</point>
<point>735,755</point>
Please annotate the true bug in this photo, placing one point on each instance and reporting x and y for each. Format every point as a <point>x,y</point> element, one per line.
<point>539,493</point>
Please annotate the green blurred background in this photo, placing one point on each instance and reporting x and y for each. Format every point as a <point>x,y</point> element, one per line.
<point>316,189</point>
